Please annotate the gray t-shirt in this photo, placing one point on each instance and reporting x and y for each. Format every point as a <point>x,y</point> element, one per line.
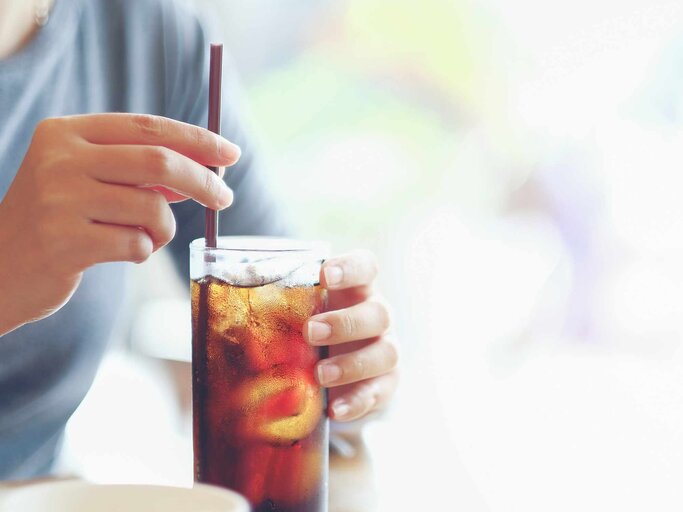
<point>147,56</point>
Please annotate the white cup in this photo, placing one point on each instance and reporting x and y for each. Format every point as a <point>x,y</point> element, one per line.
<point>78,496</point>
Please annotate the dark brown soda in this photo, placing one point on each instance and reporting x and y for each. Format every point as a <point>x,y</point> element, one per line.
<point>259,422</point>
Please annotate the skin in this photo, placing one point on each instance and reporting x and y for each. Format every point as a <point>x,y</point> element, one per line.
<point>96,188</point>
<point>361,371</point>
<point>17,26</point>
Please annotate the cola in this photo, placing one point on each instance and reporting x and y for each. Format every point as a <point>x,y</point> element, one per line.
<point>259,421</point>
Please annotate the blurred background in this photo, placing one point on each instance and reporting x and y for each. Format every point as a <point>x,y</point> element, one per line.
<point>515,165</point>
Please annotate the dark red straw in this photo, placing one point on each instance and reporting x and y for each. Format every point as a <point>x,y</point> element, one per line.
<point>215,82</point>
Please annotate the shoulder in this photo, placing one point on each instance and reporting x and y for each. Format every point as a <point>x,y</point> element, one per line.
<point>150,10</point>
<point>153,50</point>
<point>143,27</point>
<point>170,17</point>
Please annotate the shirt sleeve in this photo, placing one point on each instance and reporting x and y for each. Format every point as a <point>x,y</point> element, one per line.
<point>254,210</point>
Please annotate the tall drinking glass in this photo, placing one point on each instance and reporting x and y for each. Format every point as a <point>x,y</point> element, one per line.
<point>260,426</point>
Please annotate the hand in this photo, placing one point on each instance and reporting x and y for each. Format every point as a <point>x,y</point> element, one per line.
<point>95,189</point>
<point>361,370</point>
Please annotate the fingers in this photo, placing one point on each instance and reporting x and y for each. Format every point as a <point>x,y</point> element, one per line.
<point>158,166</point>
<point>357,268</point>
<point>108,243</point>
<point>363,397</point>
<point>365,320</point>
<point>135,207</point>
<point>170,195</point>
<point>192,141</point>
<point>374,359</point>
<point>362,375</point>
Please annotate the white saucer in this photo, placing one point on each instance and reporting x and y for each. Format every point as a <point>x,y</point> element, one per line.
<point>77,496</point>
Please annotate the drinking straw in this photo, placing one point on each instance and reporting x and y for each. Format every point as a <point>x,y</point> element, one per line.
<point>215,82</point>
<point>210,229</point>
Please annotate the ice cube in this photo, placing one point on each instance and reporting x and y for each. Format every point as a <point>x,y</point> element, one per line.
<point>260,272</point>
<point>228,306</point>
<point>302,303</point>
<point>275,324</point>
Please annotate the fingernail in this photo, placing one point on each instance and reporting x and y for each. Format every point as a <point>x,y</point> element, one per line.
<point>333,275</point>
<point>340,408</point>
<point>318,331</point>
<point>328,372</point>
<point>230,150</point>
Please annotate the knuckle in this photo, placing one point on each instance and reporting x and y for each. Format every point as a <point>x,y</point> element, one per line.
<point>53,200</point>
<point>169,228</point>
<point>42,129</point>
<point>371,396</point>
<point>148,125</point>
<point>155,204</point>
<point>390,355</point>
<point>159,160</point>
<point>159,214</point>
<point>360,367</point>
<point>356,406</point>
<point>209,186</point>
<point>139,248</point>
<point>56,166</point>
<point>48,125</point>
<point>48,130</point>
<point>381,313</point>
<point>348,324</point>
<point>199,136</point>
<point>365,399</point>
<point>350,268</point>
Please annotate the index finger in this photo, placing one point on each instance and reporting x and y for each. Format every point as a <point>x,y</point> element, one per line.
<point>194,142</point>
<point>357,268</point>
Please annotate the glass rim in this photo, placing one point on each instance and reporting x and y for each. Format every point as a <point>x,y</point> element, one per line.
<point>261,244</point>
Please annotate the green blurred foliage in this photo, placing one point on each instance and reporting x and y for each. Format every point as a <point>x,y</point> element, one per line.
<point>432,39</point>
<point>370,122</point>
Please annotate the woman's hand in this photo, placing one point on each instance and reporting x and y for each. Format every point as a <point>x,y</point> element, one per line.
<point>361,370</point>
<point>94,189</point>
